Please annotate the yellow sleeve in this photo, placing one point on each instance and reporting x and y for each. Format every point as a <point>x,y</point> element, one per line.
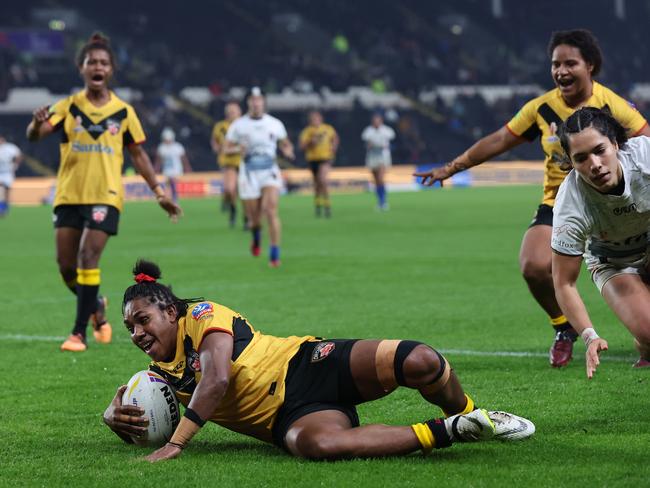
<point>626,114</point>
<point>133,133</point>
<point>207,317</point>
<point>215,132</point>
<point>58,112</point>
<point>524,123</point>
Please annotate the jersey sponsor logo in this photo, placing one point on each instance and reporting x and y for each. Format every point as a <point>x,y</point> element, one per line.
<point>321,351</point>
<point>201,310</point>
<point>561,229</point>
<point>566,245</point>
<point>99,213</point>
<point>78,125</point>
<point>91,148</point>
<point>625,210</point>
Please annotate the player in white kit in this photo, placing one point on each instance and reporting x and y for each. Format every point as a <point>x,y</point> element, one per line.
<point>257,136</point>
<point>10,158</point>
<point>171,160</point>
<point>601,214</point>
<point>378,137</point>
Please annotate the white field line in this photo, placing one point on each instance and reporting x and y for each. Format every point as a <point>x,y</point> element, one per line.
<point>454,352</point>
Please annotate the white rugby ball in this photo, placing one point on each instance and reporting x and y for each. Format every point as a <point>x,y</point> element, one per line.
<point>153,394</point>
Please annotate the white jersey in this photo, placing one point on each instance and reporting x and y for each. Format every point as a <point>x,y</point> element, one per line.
<point>259,137</point>
<point>600,226</point>
<point>377,141</point>
<point>8,153</point>
<point>170,154</point>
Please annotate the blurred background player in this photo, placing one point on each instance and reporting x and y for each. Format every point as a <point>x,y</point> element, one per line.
<point>310,410</point>
<point>602,214</point>
<point>319,141</point>
<point>10,159</point>
<point>257,136</point>
<point>96,126</point>
<point>229,163</point>
<point>377,137</point>
<point>575,61</point>
<point>171,160</point>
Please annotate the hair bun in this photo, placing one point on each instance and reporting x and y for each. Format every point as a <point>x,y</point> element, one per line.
<point>146,271</point>
<point>98,38</point>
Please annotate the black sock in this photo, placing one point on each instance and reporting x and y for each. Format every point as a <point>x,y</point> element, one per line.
<point>86,305</point>
<point>439,431</point>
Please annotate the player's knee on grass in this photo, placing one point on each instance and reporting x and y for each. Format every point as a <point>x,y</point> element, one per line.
<point>421,366</point>
<point>320,445</point>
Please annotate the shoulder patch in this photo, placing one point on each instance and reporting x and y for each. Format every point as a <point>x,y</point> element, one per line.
<point>201,310</point>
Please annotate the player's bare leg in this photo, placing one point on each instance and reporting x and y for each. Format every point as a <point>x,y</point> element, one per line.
<point>378,368</point>
<point>270,203</point>
<point>230,193</point>
<point>67,249</point>
<point>321,187</point>
<point>535,263</point>
<point>378,175</point>
<point>629,298</point>
<point>253,209</point>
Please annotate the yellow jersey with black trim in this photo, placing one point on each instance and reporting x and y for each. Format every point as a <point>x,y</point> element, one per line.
<point>542,116</point>
<point>219,135</point>
<point>92,149</point>
<point>322,142</point>
<point>259,366</point>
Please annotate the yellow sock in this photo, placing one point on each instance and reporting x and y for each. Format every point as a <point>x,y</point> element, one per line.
<point>558,321</point>
<point>425,437</point>
<point>469,407</point>
<point>89,277</point>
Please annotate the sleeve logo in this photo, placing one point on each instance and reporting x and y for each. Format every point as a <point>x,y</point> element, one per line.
<point>201,310</point>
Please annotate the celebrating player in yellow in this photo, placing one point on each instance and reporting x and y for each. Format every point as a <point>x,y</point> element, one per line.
<point>575,60</point>
<point>95,127</point>
<point>298,392</point>
<point>229,163</point>
<point>320,142</point>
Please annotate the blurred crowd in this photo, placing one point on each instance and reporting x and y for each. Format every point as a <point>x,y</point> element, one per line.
<point>406,46</point>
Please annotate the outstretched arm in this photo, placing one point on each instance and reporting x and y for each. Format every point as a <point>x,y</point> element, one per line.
<point>142,164</point>
<point>484,149</point>
<point>214,354</point>
<point>565,274</point>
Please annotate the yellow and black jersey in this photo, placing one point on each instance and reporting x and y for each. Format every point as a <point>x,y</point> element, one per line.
<point>92,149</point>
<point>219,134</point>
<point>259,366</point>
<point>318,142</point>
<point>542,116</point>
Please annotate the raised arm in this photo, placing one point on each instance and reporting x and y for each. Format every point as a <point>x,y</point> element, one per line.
<point>214,355</point>
<point>565,274</point>
<point>482,150</point>
<point>142,164</point>
<point>39,127</point>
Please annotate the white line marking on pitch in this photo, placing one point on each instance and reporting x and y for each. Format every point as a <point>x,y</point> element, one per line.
<point>458,352</point>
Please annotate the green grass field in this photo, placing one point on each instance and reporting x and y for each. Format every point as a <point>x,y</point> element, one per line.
<point>440,267</point>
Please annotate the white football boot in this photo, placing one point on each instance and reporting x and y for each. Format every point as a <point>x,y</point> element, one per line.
<point>471,427</point>
<point>510,427</point>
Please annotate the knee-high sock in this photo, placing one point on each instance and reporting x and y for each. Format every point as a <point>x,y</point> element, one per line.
<point>87,290</point>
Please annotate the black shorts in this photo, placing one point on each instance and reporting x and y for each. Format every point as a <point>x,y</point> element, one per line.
<point>318,379</point>
<point>543,216</point>
<point>97,217</point>
<point>314,165</point>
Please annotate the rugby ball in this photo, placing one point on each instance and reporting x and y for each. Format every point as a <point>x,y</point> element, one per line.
<point>155,396</point>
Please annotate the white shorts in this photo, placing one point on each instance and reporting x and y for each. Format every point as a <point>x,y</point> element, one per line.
<point>251,182</point>
<point>601,273</point>
<point>6,179</point>
<point>374,162</point>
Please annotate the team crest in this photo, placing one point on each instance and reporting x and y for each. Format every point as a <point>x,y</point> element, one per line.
<point>193,361</point>
<point>321,351</point>
<point>201,310</point>
<point>78,124</point>
<point>112,126</point>
<point>99,213</point>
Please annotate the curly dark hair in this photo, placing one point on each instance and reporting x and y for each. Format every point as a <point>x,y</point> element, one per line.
<point>586,43</point>
<point>96,41</point>
<point>147,274</point>
<point>600,119</point>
